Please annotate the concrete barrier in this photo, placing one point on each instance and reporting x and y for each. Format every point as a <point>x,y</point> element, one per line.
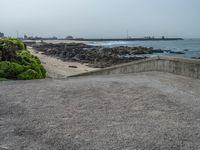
<point>179,66</point>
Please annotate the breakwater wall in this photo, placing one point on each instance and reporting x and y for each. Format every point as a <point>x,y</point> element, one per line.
<point>178,66</point>
<point>131,39</point>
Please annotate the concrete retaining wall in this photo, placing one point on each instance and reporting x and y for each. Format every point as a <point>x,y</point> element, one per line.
<point>179,66</point>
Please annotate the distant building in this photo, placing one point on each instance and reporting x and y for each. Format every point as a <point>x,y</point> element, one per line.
<point>163,37</point>
<point>149,37</point>
<point>69,37</point>
<point>1,35</point>
<point>53,38</point>
<point>25,37</point>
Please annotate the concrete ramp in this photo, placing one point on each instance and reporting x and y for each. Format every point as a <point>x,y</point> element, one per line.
<point>179,66</point>
<point>141,111</point>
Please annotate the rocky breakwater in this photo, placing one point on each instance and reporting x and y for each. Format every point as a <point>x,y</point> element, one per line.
<point>95,56</point>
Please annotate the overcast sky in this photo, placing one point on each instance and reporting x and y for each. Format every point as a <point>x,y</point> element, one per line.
<point>101,18</point>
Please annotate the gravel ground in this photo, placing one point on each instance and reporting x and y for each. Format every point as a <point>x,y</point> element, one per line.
<point>136,111</point>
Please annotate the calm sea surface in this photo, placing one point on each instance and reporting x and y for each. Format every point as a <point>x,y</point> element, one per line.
<point>191,47</point>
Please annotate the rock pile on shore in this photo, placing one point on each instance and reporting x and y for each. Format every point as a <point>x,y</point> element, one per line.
<point>94,55</point>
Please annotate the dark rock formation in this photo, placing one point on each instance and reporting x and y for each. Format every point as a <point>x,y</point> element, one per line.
<point>73,67</point>
<point>173,52</point>
<point>195,57</point>
<point>94,55</point>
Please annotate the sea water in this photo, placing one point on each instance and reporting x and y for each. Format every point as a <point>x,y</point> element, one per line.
<point>190,47</point>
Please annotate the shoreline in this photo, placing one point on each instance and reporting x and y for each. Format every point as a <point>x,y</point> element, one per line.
<point>67,59</point>
<point>56,68</point>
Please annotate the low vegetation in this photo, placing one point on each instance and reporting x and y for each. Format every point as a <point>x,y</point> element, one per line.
<point>16,62</point>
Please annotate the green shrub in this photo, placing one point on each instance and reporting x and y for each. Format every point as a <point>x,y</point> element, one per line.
<point>10,70</point>
<point>32,62</point>
<point>2,74</point>
<point>27,57</point>
<point>28,75</point>
<point>39,69</point>
<point>43,71</point>
<point>18,44</point>
<point>16,62</point>
<point>9,48</point>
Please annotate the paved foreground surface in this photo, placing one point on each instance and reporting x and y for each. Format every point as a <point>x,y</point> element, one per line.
<point>136,111</point>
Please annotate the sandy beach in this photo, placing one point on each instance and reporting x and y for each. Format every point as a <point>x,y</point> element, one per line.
<point>57,68</point>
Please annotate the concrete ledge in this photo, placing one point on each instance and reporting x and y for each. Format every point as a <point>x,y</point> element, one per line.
<point>179,66</point>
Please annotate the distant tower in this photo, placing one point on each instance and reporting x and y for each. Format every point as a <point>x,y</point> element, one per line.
<point>163,37</point>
